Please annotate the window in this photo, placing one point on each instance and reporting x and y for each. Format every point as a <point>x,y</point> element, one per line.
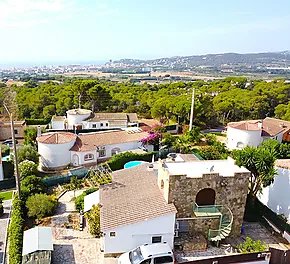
<point>112,234</point>
<point>164,259</point>
<point>156,239</point>
<point>94,125</point>
<point>15,131</point>
<point>115,151</point>
<point>136,256</point>
<point>240,145</point>
<point>102,153</point>
<point>107,124</point>
<point>89,157</point>
<point>183,226</point>
<point>101,124</point>
<point>162,184</point>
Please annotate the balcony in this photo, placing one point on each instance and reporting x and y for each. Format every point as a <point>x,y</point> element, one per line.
<point>207,211</point>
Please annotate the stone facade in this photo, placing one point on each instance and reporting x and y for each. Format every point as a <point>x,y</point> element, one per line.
<point>5,129</point>
<point>182,190</point>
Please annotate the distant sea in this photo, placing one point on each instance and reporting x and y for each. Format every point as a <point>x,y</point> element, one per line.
<point>9,65</point>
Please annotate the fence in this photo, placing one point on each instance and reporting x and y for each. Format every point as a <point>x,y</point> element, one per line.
<point>65,178</point>
<point>277,220</point>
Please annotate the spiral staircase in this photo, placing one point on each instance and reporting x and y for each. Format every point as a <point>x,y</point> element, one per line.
<point>226,220</point>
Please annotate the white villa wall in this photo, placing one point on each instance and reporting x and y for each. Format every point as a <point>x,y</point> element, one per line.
<point>247,137</point>
<point>57,124</point>
<point>123,147</point>
<point>76,119</point>
<point>131,236</point>
<point>78,158</point>
<point>55,155</point>
<point>277,195</point>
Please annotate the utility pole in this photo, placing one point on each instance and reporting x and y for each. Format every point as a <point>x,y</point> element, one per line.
<point>15,152</point>
<point>191,110</point>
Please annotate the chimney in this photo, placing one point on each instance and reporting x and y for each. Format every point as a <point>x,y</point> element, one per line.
<point>38,131</point>
<point>260,124</point>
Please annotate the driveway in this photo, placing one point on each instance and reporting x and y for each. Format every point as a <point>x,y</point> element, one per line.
<point>70,245</point>
<point>4,220</point>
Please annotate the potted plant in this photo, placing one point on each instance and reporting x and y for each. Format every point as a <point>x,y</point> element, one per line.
<point>1,206</point>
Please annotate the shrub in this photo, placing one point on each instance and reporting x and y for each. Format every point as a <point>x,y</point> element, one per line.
<point>79,201</point>
<point>5,150</point>
<point>41,205</point>
<point>27,152</point>
<point>15,232</point>
<point>30,134</point>
<point>31,185</point>
<point>27,168</point>
<point>118,161</point>
<point>93,218</point>
<point>252,246</point>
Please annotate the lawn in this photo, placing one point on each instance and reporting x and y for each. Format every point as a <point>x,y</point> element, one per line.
<point>6,195</point>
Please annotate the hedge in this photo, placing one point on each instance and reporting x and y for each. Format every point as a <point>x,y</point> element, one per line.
<point>41,121</point>
<point>118,161</point>
<point>15,232</point>
<point>8,169</point>
<point>79,201</point>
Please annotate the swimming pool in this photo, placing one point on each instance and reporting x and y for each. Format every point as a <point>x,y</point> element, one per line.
<point>131,164</point>
<point>5,158</point>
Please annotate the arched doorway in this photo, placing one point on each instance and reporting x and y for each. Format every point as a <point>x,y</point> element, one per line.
<point>75,160</point>
<point>205,197</point>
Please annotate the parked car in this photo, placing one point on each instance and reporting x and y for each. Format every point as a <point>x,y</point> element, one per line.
<point>9,142</point>
<point>157,253</point>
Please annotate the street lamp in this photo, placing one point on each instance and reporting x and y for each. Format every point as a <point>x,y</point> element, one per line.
<point>14,150</point>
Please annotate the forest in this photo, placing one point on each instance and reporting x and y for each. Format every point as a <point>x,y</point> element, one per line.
<point>216,102</point>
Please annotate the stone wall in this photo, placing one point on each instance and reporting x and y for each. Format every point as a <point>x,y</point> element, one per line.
<point>182,190</point>
<point>202,225</point>
<point>5,132</point>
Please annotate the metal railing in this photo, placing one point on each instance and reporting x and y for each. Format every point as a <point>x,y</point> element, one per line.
<point>207,208</point>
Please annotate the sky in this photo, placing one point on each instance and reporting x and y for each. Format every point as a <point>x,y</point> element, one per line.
<point>46,31</point>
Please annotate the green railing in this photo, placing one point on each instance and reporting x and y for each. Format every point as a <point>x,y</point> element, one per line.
<point>207,208</point>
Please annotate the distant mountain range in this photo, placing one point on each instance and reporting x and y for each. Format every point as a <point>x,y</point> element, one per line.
<point>225,60</point>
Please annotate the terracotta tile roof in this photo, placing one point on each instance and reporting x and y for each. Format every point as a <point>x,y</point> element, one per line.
<point>269,127</point>
<point>8,123</point>
<point>89,141</point>
<point>246,125</point>
<point>96,117</point>
<point>283,163</point>
<point>56,138</point>
<point>189,157</point>
<point>273,126</point>
<point>147,124</point>
<point>132,197</point>
<point>78,112</point>
<point>58,118</point>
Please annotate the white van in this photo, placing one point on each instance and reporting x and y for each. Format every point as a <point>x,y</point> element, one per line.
<point>157,253</point>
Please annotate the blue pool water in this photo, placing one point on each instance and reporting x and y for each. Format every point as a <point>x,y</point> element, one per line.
<point>131,164</point>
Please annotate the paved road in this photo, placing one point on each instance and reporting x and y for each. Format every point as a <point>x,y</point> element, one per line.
<point>3,228</point>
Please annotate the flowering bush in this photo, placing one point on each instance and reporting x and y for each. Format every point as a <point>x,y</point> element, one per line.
<point>152,139</point>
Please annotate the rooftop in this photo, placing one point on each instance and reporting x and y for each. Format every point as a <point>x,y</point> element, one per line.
<point>79,111</point>
<point>58,118</point>
<point>96,117</point>
<point>8,123</point>
<point>90,141</point>
<point>56,138</point>
<point>37,238</point>
<point>195,169</point>
<point>132,197</point>
<point>283,163</point>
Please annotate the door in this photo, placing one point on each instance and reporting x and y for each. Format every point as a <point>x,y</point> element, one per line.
<point>75,160</point>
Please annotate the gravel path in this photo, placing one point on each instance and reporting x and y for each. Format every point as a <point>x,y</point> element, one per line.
<point>71,246</point>
<point>4,219</point>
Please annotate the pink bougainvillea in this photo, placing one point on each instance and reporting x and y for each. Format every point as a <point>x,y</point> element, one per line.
<point>152,138</point>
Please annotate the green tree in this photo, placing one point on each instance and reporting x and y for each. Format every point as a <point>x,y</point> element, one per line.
<point>260,162</point>
<point>30,134</point>
<point>28,152</point>
<point>251,245</point>
<point>27,168</point>
<point>31,185</point>
<point>49,111</point>
<point>5,150</point>
<point>41,205</point>
<point>93,217</point>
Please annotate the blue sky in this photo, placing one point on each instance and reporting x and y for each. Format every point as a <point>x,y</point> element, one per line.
<point>99,30</point>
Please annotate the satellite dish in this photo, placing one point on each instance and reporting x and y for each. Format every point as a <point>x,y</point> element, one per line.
<point>211,168</point>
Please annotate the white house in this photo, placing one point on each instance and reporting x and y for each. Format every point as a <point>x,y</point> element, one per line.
<point>85,119</point>
<point>60,149</point>
<point>134,211</point>
<point>54,149</point>
<point>277,195</point>
<point>253,132</point>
